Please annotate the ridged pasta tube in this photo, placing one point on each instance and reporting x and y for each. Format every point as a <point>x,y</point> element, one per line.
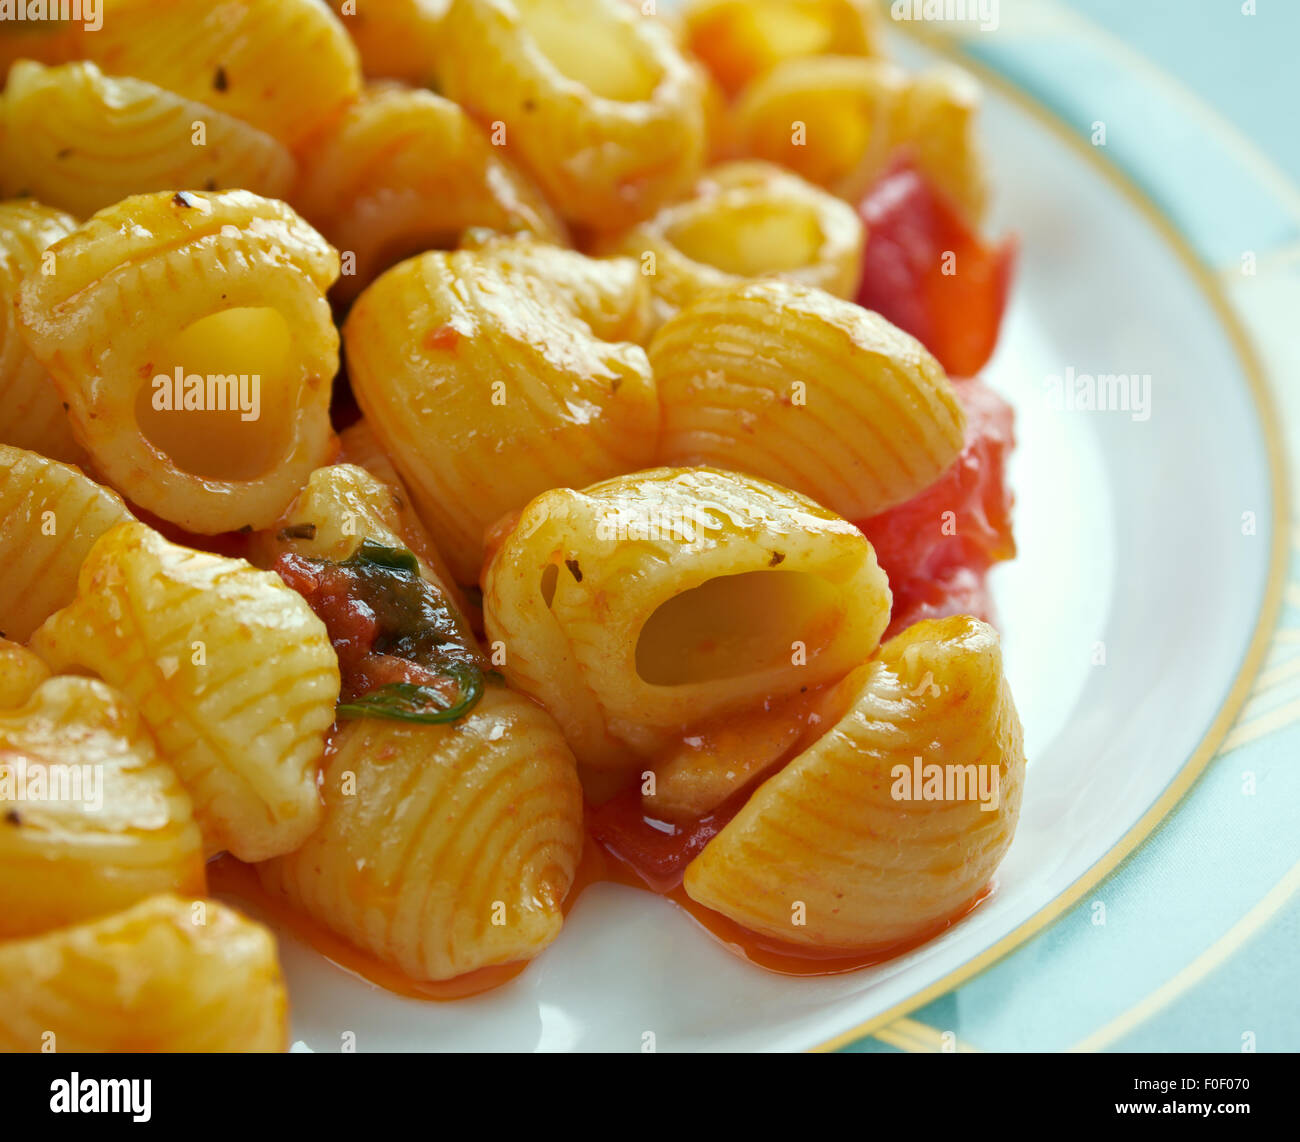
<point>21,672</point>
<point>230,669</point>
<point>81,141</point>
<point>649,603</point>
<point>747,220</point>
<point>446,848</point>
<point>285,66</point>
<point>407,171</point>
<point>397,39</point>
<point>190,337</point>
<point>166,975</point>
<point>739,40</point>
<point>793,385</point>
<point>91,819</point>
<point>896,818</point>
<point>50,517</point>
<point>830,119</point>
<point>598,102</point>
<point>839,121</point>
<point>491,375</point>
<point>31,415</point>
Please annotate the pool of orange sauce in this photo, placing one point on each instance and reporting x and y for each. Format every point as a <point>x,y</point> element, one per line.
<point>232,878</point>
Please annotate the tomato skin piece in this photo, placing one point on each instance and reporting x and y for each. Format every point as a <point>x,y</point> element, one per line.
<point>911,231</point>
<point>937,563</point>
<point>657,852</point>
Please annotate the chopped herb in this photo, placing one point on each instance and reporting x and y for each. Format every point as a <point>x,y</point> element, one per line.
<point>13,817</point>
<point>777,559</point>
<point>298,531</point>
<point>220,81</point>
<point>574,569</point>
<point>427,705</point>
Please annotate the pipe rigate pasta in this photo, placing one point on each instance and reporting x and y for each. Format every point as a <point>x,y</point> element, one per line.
<point>739,40</point>
<point>89,140</point>
<point>596,100</point>
<point>91,819</point>
<point>169,974</point>
<point>892,822</point>
<point>789,383</point>
<point>443,849</point>
<point>31,415</point>
<point>406,171</point>
<point>230,669</point>
<point>746,220</point>
<point>190,337</point>
<point>50,517</point>
<point>491,375</point>
<point>285,66</point>
<point>647,603</point>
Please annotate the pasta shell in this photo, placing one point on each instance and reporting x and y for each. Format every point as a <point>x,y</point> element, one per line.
<point>830,119</point>
<point>50,516</point>
<point>841,850</point>
<point>90,140</point>
<point>91,820</point>
<point>444,848</point>
<point>397,39</point>
<point>739,40</point>
<point>597,102</point>
<point>649,603</point>
<point>491,375</point>
<point>166,975</point>
<point>840,121</point>
<point>21,672</point>
<point>31,415</point>
<point>230,669</point>
<point>234,288</point>
<point>788,383</point>
<point>407,171</point>
<point>285,66</point>
<point>747,220</point>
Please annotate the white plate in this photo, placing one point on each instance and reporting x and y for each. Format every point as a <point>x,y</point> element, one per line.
<point>1131,539</point>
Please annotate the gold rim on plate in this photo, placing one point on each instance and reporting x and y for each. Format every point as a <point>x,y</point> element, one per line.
<point>1270,607</point>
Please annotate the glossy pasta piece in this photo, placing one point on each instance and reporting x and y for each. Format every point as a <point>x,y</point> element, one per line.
<point>892,823</point>
<point>491,375</point>
<point>83,140</point>
<point>31,415</point>
<point>747,220</point>
<point>21,672</point>
<point>359,446</point>
<point>190,337</point>
<point>652,602</point>
<point>230,669</point>
<point>91,819</point>
<point>788,383</point>
<point>446,848</point>
<point>285,66</point>
<point>739,40</point>
<point>166,975</point>
<point>936,123</point>
<point>407,171</point>
<point>50,517</point>
<point>597,102</point>
<point>830,119</point>
<point>397,39</point>
<point>839,121</point>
